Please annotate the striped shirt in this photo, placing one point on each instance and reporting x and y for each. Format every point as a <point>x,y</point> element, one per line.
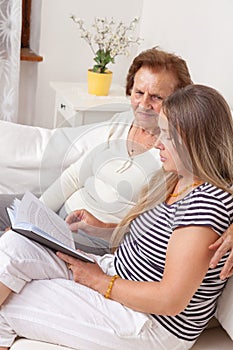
<point>141,257</point>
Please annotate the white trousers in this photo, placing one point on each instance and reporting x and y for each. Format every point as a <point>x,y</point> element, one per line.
<point>49,306</point>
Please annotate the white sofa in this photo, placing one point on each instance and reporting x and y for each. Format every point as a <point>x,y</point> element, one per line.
<point>31,158</point>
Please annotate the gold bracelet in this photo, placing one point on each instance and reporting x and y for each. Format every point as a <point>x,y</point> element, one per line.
<point>111,283</point>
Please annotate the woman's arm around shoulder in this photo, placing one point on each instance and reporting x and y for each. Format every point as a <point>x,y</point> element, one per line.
<point>223,245</point>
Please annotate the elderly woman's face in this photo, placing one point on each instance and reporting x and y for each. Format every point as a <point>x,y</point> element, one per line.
<point>149,90</point>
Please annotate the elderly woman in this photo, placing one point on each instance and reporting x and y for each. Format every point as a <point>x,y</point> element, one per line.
<point>107,179</point>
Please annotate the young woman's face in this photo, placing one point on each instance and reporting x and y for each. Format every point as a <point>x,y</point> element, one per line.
<point>168,154</point>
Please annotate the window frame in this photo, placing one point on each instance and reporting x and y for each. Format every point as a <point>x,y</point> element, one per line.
<point>26,15</point>
<point>26,53</point>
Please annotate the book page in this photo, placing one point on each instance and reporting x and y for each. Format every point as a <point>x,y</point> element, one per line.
<point>31,210</point>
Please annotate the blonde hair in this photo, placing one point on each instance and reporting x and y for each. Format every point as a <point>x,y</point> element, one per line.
<point>201,117</point>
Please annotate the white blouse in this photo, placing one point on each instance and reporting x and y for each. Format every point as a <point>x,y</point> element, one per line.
<point>105,181</point>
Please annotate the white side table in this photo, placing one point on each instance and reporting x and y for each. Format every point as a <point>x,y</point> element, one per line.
<point>74,106</point>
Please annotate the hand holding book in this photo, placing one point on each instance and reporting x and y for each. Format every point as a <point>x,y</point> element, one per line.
<point>32,219</point>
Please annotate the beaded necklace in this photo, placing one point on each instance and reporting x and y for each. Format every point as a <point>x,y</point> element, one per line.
<point>184,189</point>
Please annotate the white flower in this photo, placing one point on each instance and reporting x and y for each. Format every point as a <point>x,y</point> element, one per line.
<point>108,40</point>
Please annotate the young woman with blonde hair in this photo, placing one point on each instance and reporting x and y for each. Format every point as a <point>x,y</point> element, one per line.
<point>156,291</point>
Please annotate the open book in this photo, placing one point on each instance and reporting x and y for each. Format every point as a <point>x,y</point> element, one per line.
<point>32,219</point>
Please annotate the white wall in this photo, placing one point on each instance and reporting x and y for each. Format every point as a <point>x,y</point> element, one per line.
<point>67,57</point>
<point>201,31</point>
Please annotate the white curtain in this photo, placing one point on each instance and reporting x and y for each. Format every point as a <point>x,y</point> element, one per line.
<point>10,43</point>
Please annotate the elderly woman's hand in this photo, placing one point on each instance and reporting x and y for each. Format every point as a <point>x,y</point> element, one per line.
<point>222,246</point>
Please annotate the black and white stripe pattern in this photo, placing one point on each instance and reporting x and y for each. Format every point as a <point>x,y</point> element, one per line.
<point>141,256</point>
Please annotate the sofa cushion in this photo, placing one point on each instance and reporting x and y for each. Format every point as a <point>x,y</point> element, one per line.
<point>25,344</point>
<point>224,312</point>
<point>211,339</point>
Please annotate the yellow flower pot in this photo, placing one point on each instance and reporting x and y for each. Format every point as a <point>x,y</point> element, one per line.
<point>99,83</point>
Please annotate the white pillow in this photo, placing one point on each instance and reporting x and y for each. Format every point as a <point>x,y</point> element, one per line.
<point>21,148</point>
<point>224,312</point>
<point>31,158</point>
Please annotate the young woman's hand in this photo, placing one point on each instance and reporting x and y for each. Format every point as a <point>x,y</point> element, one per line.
<point>87,274</point>
<point>84,220</point>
